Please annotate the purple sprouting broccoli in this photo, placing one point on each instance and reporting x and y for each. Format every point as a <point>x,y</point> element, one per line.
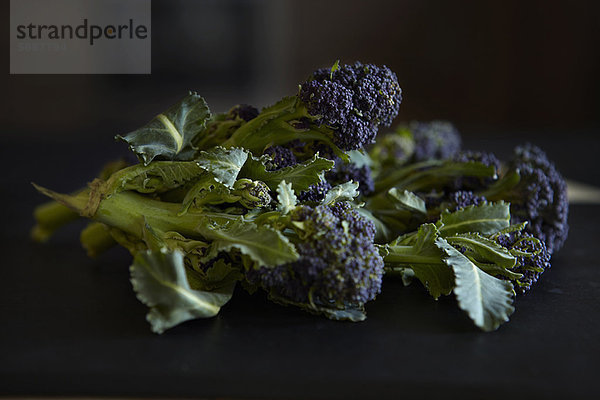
<point>339,266</point>
<point>437,202</point>
<point>435,140</point>
<point>537,193</point>
<point>343,106</point>
<point>343,172</point>
<point>532,258</point>
<point>315,193</point>
<point>354,100</point>
<point>463,198</point>
<point>281,157</point>
<point>471,183</point>
<point>245,112</point>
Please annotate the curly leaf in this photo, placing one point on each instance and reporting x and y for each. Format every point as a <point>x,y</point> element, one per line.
<point>344,192</point>
<point>485,218</point>
<point>286,197</point>
<point>159,281</point>
<point>301,176</point>
<point>224,164</point>
<point>169,135</point>
<point>487,300</point>
<point>263,244</point>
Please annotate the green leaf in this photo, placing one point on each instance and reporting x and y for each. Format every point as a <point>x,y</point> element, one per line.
<point>206,191</point>
<point>334,67</point>
<point>224,164</point>
<point>301,176</point>
<point>344,192</point>
<point>159,176</point>
<point>263,244</point>
<point>496,270</point>
<point>425,259</point>
<point>487,300</point>
<point>407,200</point>
<point>170,135</point>
<point>286,197</point>
<point>159,281</point>
<point>360,158</point>
<point>219,275</point>
<point>485,218</point>
<point>512,228</point>
<point>486,249</point>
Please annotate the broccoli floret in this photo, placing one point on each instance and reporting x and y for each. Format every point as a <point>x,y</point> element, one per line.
<point>329,100</point>
<point>463,198</point>
<point>438,140</point>
<point>483,157</point>
<point>436,202</point>
<point>339,265</point>
<point>282,156</point>
<point>343,172</point>
<point>243,111</point>
<point>315,193</point>
<point>532,258</point>
<point>354,100</point>
<point>471,183</point>
<point>253,194</point>
<point>537,193</point>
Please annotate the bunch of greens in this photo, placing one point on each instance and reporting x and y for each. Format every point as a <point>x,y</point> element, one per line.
<point>300,201</point>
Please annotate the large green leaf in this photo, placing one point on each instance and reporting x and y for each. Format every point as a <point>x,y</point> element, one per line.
<point>170,134</point>
<point>224,164</point>
<point>487,300</point>
<point>301,176</point>
<point>266,246</point>
<point>485,218</point>
<point>159,281</point>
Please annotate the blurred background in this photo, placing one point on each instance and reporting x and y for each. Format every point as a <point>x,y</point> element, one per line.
<point>493,66</point>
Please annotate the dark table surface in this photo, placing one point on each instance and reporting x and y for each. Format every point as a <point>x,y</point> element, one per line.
<point>73,326</point>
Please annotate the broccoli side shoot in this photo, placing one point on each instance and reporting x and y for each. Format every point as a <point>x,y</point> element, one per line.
<point>339,265</point>
<point>354,100</point>
<point>537,193</point>
<point>437,140</point>
<point>532,258</point>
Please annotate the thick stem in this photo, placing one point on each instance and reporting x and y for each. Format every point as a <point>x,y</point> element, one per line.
<point>128,211</point>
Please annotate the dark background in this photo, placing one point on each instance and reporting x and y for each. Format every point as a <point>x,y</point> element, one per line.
<point>504,64</point>
<point>505,72</point>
